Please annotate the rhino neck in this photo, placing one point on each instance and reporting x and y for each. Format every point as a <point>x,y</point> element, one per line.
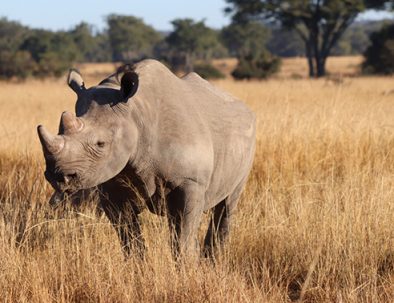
<point>144,120</point>
<point>151,108</point>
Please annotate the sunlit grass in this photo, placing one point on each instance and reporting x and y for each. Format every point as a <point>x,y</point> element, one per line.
<point>314,223</point>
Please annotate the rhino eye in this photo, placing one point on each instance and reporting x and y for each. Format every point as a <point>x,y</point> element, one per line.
<point>100,144</point>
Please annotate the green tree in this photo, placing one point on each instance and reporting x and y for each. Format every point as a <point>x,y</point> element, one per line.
<point>245,39</point>
<point>13,61</point>
<point>53,52</point>
<point>12,34</point>
<point>285,43</point>
<point>191,40</point>
<point>379,57</point>
<point>103,50</point>
<point>319,23</point>
<point>82,35</point>
<point>130,38</point>
<point>92,47</point>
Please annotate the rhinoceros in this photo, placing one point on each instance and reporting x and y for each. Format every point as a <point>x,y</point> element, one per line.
<point>147,138</point>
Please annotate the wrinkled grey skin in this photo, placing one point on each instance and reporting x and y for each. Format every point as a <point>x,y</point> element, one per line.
<point>179,145</point>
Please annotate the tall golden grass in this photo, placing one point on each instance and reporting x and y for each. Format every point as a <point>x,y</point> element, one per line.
<point>315,223</point>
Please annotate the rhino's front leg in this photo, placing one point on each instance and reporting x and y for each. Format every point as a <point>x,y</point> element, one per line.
<point>129,231</point>
<point>128,228</point>
<point>124,217</point>
<point>185,208</point>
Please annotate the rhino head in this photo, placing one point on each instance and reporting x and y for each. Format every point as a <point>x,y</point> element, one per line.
<point>96,144</point>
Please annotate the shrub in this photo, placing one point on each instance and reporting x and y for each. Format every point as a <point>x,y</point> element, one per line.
<point>261,66</point>
<point>379,56</point>
<point>208,71</point>
<point>17,64</point>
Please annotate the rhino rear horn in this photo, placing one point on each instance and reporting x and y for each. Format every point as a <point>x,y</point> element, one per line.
<point>69,124</point>
<point>75,81</point>
<point>128,81</point>
<point>51,144</point>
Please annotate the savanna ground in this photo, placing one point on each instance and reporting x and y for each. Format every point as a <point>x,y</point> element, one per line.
<point>315,223</point>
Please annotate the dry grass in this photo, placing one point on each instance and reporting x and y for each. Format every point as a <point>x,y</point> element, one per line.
<point>315,223</point>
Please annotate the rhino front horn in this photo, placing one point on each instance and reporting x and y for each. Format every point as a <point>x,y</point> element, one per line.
<point>50,144</point>
<point>69,124</point>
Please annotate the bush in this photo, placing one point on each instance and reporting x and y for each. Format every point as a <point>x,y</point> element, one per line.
<point>52,64</point>
<point>208,71</point>
<point>379,56</point>
<point>258,67</point>
<point>17,64</point>
<point>28,52</point>
<point>52,52</point>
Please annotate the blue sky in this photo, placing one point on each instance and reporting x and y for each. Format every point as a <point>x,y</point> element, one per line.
<point>64,14</point>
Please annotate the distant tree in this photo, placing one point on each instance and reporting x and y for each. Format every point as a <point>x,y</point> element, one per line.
<point>191,40</point>
<point>12,34</point>
<point>17,64</point>
<point>342,48</point>
<point>83,37</point>
<point>379,57</point>
<point>319,23</point>
<point>285,43</point>
<point>245,39</point>
<point>354,41</point>
<point>53,52</point>
<point>130,38</point>
<point>351,42</point>
<point>103,50</point>
<point>30,52</point>
<point>13,61</point>
<point>25,52</point>
<point>358,38</point>
<point>92,47</point>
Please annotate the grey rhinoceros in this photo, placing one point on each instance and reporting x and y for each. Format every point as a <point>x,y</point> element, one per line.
<point>180,145</point>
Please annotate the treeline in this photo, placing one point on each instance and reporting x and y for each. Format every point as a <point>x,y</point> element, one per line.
<point>355,40</point>
<point>28,52</point>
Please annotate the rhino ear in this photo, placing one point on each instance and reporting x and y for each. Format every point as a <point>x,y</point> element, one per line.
<point>75,81</point>
<point>128,82</point>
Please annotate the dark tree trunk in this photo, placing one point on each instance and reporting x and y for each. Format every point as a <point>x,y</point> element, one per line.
<point>321,67</point>
<point>320,63</point>
<point>309,56</point>
<point>316,57</point>
<point>318,52</point>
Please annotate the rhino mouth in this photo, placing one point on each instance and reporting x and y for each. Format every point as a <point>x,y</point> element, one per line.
<point>61,183</point>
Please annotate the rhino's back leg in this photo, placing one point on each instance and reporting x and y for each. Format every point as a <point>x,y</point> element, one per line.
<point>219,226</point>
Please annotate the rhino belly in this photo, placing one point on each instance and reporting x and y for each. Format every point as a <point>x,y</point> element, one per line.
<point>232,166</point>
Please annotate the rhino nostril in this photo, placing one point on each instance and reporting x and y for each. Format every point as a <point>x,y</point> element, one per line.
<point>58,177</point>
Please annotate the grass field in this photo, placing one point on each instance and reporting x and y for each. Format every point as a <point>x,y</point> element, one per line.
<point>315,223</point>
